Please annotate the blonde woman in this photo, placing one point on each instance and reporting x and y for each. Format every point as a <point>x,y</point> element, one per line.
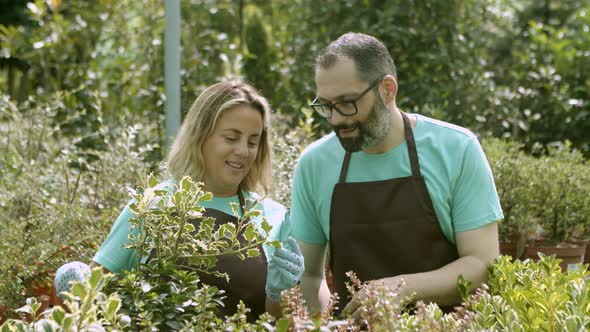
<point>224,142</point>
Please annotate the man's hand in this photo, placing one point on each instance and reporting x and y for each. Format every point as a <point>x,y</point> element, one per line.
<point>394,286</point>
<point>69,273</point>
<point>285,268</point>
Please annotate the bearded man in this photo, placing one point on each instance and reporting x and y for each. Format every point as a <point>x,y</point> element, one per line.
<point>390,195</point>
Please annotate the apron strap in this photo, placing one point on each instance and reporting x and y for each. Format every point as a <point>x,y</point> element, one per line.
<point>344,169</point>
<point>413,153</point>
<point>242,201</point>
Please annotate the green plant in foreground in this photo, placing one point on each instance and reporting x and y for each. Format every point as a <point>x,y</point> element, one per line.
<point>165,292</point>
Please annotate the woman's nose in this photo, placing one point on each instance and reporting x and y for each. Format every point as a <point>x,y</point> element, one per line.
<point>242,148</point>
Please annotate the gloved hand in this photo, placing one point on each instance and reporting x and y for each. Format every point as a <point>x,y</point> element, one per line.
<point>68,273</point>
<point>285,268</point>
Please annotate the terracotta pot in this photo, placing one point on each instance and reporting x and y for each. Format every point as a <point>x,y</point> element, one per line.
<point>45,293</point>
<point>3,317</point>
<point>570,255</point>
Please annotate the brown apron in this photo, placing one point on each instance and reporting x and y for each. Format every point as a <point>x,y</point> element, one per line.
<point>385,228</point>
<point>247,277</point>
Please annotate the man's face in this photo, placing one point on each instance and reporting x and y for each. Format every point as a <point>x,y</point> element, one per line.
<point>364,129</point>
<point>370,131</point>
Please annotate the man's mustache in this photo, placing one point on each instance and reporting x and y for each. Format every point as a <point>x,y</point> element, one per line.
<point>345,126</point>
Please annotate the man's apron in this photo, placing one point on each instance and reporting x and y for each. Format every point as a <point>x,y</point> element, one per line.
<point>385,228</point>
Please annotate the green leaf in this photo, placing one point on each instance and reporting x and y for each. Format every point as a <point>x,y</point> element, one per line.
<point>253,252</point>
<point>275,243</point>
<point>283,325</point>
<point>67,324</point>
<point>463,286</point>
<point>250,233</point>
<point>266,227</point>
<point>174,325</point>
<point>185,183</point>
<point>95,277</point>
<point>58,315</point>
<point>112,307</point>
<point>152,181</point>
<point>79,290</point>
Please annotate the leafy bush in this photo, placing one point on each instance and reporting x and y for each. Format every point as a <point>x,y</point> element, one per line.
<point>513,171</point>
<point>58,197</point>
<point>521,296</point>
<point>561,194</point>
<point>545,197</point>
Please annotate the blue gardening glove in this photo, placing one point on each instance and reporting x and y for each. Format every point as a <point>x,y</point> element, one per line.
<point>285,268</point>
<point>68,273</point>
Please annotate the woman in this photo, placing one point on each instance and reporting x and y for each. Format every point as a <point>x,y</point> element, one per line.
<point>224,142</point>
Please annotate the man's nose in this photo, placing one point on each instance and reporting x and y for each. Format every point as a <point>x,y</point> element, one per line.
<point>337,119</point>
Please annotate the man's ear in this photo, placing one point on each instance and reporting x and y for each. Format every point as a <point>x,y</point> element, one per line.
<point>388,89</point>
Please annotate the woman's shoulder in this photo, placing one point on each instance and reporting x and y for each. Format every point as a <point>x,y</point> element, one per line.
<point>268,206</point>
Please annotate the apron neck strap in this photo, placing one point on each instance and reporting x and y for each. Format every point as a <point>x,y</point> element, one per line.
<point>412,152</point>
<point>344,168</point>
<point>241,200</point>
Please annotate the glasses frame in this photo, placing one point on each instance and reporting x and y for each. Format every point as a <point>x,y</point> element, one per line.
<point>315,105</point>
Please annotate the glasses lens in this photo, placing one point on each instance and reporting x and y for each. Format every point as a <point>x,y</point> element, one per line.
<point>322,110</point>
<point>346,108</point>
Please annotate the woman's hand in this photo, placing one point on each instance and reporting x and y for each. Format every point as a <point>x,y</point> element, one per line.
<point>285,268</point>
<point>68,273</point>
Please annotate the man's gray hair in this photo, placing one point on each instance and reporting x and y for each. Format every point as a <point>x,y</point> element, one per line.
<point>369,54</point>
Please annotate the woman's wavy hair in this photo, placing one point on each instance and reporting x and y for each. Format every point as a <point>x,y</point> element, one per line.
<point>186,156</point>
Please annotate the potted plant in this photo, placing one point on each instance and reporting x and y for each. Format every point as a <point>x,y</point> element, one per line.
<point>561,192</point>
<point>512,170</point>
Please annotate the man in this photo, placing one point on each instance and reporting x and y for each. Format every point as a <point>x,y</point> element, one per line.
<point>391,195</point>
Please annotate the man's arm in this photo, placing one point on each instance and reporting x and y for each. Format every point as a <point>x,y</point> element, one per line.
<point>313,282</point>
<point>477,249</point>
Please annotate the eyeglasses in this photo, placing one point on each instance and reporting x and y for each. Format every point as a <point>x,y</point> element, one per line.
<point>345,107</point>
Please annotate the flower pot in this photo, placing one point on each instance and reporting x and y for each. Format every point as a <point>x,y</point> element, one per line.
<point>3,311</point>
<point>45,293</point>
<point>569,254</point>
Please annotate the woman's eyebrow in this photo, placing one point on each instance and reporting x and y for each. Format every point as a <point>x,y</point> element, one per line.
<point>237,131</point>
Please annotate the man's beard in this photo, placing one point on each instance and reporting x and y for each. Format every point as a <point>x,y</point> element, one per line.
<point>371,131</point>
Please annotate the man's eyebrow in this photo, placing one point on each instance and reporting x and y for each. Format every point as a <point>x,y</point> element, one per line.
<point>340,97</point>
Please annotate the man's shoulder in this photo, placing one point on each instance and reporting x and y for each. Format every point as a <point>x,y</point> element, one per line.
<point>442,134</point>
<point>445,128</point>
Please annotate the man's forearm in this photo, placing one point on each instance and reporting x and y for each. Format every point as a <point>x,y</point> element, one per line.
<point>440,285</point>
<point>315,293</point>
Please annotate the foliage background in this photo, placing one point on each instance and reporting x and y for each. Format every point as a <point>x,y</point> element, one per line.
<point>503,68</point>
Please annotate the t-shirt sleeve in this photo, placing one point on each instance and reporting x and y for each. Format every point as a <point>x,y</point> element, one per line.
<point>111,254</point>
<point>475,202</point>
<point>304,217</point>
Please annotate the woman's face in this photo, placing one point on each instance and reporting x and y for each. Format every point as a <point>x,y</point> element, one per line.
<point>231,149</point>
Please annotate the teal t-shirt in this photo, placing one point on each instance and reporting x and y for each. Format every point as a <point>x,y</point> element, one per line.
<point>113,256</point>
<point>456,171</point>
